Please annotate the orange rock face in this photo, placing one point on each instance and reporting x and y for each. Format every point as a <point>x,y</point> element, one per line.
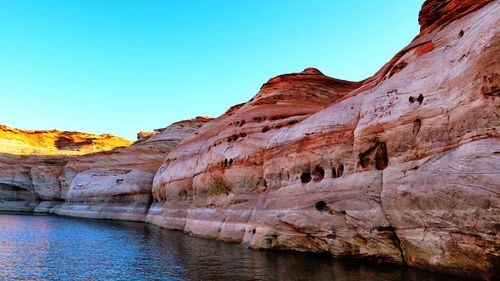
<point>113,183</point>
<point>31,163</point>
<point>400,168</point>
<point>53,142</point>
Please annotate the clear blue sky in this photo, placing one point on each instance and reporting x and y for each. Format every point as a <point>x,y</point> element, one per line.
<point>121,66</point>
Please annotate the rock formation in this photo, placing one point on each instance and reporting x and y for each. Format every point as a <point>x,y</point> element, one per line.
<point>31,163</point>
<point>402,168</point>
<point>56,175</point>
<point>117,184</point>
<point>210,183</point>
<point>53,142</point>
<point>399,168</point>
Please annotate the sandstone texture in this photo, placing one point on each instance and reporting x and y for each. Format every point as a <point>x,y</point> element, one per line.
<point>45,176</point>
<point>210,183</point>
<point>400,168</point>
<point>32,163</point>
<point>117,184</point>
<point>53,142</point>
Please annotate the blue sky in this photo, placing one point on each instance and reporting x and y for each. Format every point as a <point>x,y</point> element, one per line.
<point>122,66</point>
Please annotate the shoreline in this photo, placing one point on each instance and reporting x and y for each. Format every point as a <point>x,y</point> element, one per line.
<point>357,260</point>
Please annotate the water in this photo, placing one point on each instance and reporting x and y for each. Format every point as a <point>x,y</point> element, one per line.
<point>34,247</point>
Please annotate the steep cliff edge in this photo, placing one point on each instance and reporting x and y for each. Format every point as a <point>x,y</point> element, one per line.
<point>402,168</point>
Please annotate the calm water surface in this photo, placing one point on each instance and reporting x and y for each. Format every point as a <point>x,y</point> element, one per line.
<point>36,247</point>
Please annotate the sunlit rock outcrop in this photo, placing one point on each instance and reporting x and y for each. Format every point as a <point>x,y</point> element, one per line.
<point>31,163</point>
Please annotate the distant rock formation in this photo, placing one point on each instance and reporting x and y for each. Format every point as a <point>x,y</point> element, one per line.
<point>53,142</point>
<point>117,184</point>
<point>31,163</point>
<point>110,183</point>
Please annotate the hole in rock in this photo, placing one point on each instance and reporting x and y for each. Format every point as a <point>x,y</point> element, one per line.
<point>231,161</point>
<point>225,162</point>
<point>420,98</point>
<point>305,177</point>
<point>412,99</point>
<point>340,170</point>
<point>381,157</point>
<point>461,34</point>
<point>259,119</point>
<point>364,161</point>
<point>320,206</point>
<point>253,231</point>
<point>318,173</point>
<point>242,123</point>
<point>334,172</point>
<point>265,129</point>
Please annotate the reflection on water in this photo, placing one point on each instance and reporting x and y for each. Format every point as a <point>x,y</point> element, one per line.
<point>57,248</point>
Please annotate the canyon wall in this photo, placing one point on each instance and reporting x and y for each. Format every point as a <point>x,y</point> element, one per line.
<point>211,182</point>
<point>401,168</point>
<point>78,174</point>
<point>32,163</point>
<point>117,184</point>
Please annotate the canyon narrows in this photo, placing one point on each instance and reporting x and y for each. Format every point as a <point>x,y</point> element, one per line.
<point>399,168</point>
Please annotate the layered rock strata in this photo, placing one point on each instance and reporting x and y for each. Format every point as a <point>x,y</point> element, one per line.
<point>50,175</point>
<point>402,168</point>
<point>210,183</point>
<point>117,184</point>
<point>32,163</point>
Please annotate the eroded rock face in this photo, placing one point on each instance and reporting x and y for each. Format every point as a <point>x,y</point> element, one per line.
<point>210,183</point>
<point>117,184</point>
<point>402,168</point>
<point>31,163</point>
<point>113,184</point>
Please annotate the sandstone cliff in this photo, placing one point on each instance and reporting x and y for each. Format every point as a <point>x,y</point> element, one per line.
<point>117,184</point>
<point>210,183</point>
<point>53,142</point>
<point>79,174</point>
<point>31,163</point>
<point>402,168</point>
